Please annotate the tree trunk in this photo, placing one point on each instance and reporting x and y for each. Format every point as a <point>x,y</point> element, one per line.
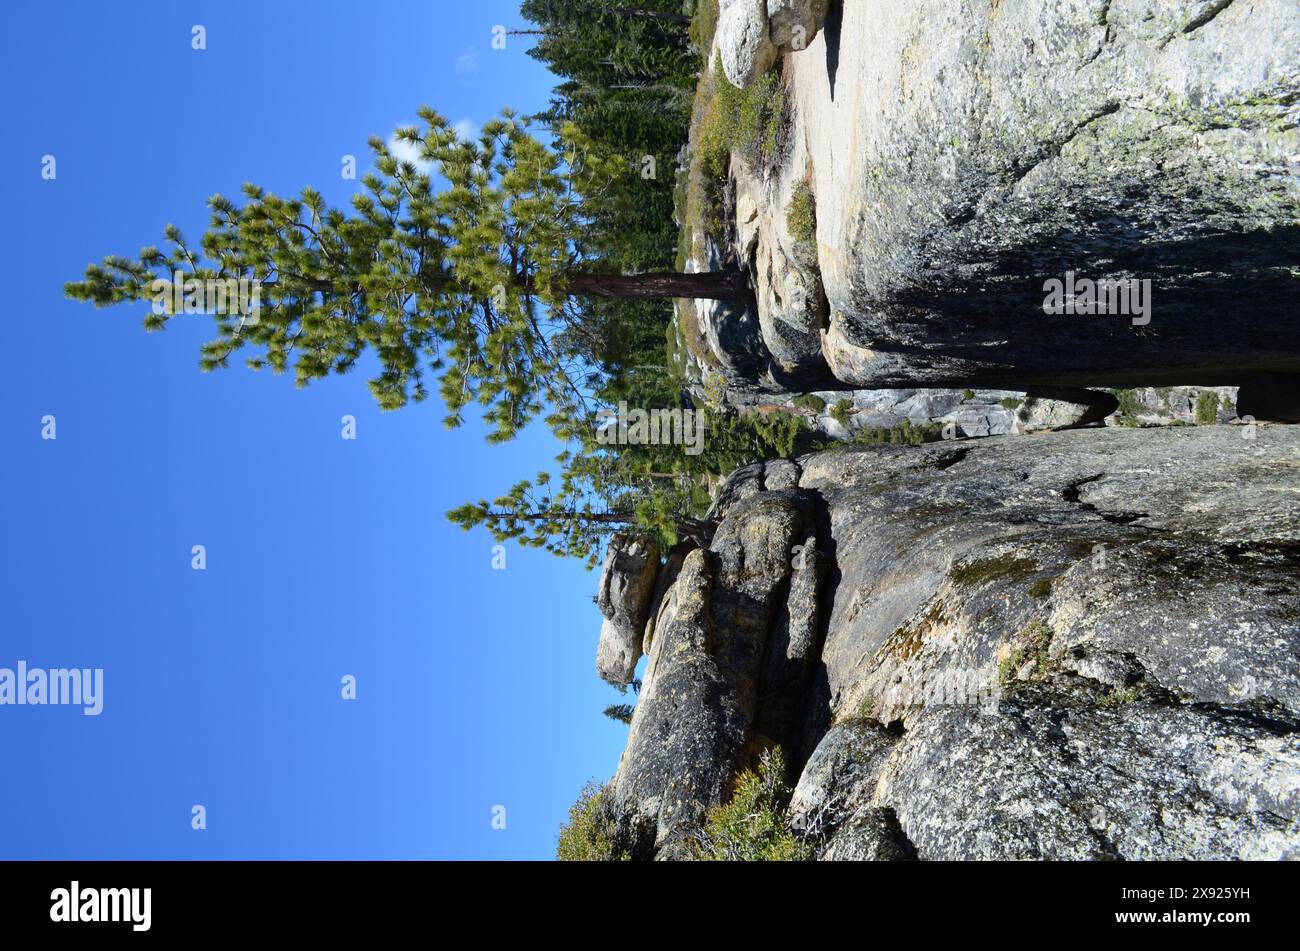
<point>653,14</point>
<point>709,285</point>
<point>699,529</point>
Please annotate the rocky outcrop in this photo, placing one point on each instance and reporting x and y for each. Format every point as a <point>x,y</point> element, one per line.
<point>791,305</point>
<point>958,414</point>
<point>729,329</point>
<point>793,24</point>
<point>965,154</point>
<point>1080,645</point>
<point>1175,406</point>
<point>1047,409</point>
<point>753,33</point>
<point>746,48</point>
<point>1077,644</point>
<point>711,662</point>
<point>626,584</point>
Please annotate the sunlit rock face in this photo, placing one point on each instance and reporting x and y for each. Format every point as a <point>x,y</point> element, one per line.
<point>1131,167</point>
<point>1073,645</point>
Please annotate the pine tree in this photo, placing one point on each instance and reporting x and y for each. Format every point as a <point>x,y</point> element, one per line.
<point>472,281</point>
<point>622,712</point>
<point>526,277</point>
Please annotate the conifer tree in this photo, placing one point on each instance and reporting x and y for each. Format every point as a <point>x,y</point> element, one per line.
<point>622,712</point>
<point>472,281</point>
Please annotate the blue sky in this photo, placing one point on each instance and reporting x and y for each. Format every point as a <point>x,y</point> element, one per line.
<point>325,557</point>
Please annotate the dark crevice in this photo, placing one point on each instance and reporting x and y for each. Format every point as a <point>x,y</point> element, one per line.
<point>904,844</point>
<point>1281,724</point>
<point>1268,715</point>
<point>1071,494</point>
<point>818,697</point>
<point>1053,149</point>
<point>1208,14</point>
<point>950,460</point>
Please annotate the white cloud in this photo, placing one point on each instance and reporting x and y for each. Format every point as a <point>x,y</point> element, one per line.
<point>405,151</point>
<point>466,129</point>
<point>466,62</point>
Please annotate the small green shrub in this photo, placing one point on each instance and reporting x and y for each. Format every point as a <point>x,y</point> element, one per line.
<point>842,413</point>
<point>1011,403</point>
<point>801,216</point>
<point>1128,402</point>
<point>906,433</point>
<point>1036,646</point>
<point>1008,666</point>
<point>968,395</point>
<point>810,401</point>
<point>1207,407</point>
<point>754,826</point>
<point>779,431</point>
<point>599,831</point>
<point>748,121</point>
<point>1119,696</point>
<point>704,25</point>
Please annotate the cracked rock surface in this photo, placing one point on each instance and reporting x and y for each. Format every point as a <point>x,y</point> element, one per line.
<point>1073,645</point>
<point>963,152</point>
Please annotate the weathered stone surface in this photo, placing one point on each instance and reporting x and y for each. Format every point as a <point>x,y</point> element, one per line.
<point>695,715</point>
<point>793,649</point>
<point>840,775</point>
<point>793,24</point>
<point>791,311</point>
<point>1120,542</point>
<point>743,41</point>
<point>664,581</point>
<point>748,481</point>
<point>1053,772</point>
<point>626,584</point>
<point>790,303</point>
<point>870,835</point>
<point>970,412</point>
<point>1047,776</point>
<point>781,474</point>
<point>730,329</point>
<point>1087,641</point>
<point>1046,409</point>
<point>1077,645</point>
<point>965,152</point>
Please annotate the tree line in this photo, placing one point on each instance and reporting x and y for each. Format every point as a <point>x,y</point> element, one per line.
<point>527,275</point>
